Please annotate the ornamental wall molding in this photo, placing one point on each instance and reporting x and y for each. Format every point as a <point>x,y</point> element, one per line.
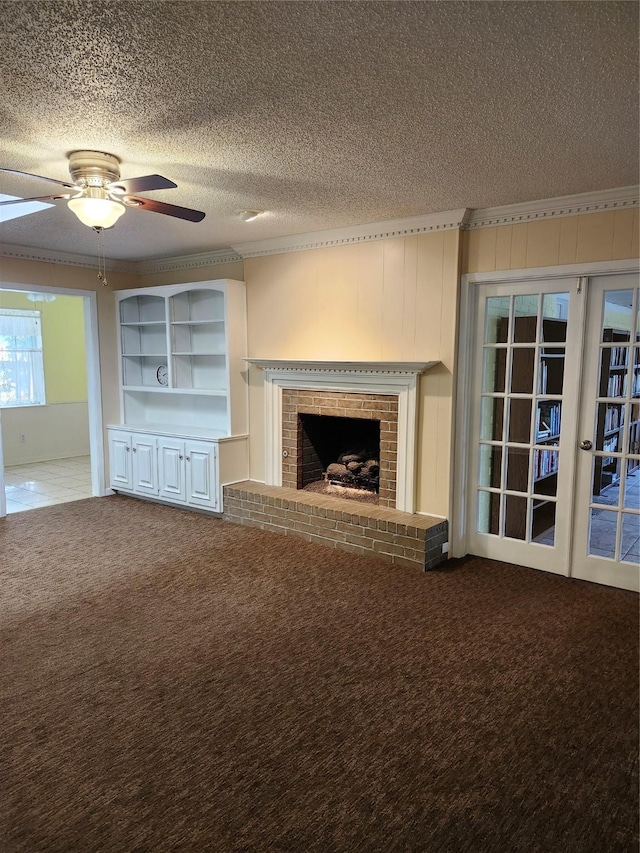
<point>357,377</point>
<point>70,259</point>
<point>342,367</point>
<point>622,198</point>
<point>446,221</point>
<point>188,262</point>
<point>150,267</point>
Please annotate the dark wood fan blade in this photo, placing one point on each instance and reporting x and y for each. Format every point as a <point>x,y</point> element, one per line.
<point>144,184</point>
<point>168,209</point>
<point>39,198</point>
<point>39,177</point>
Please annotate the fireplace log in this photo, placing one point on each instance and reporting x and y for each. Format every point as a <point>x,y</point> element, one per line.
<point>346,458</point>
<point>337,471</point>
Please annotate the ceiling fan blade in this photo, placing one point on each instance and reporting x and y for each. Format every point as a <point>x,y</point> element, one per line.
<point>143,184</point>
<point>39,177</point>
<point>168,209</point>
<point>38,198</point>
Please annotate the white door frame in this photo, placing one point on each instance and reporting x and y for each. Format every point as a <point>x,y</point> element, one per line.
<point>3,496</point>
<point>94,384</point>
<point>459,526</point>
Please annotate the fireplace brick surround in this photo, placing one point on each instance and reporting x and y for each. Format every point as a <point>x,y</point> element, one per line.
<point>381,407</point>
<point>381,391</point>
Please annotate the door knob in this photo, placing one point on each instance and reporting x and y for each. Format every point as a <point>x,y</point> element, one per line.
<point>585,444</point>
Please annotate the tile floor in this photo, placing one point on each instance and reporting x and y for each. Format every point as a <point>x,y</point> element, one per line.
<point>602,536</point>
<point>603,529</point>
<point>45,483</point>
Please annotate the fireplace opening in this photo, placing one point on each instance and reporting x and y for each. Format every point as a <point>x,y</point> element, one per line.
<point>339,455</point>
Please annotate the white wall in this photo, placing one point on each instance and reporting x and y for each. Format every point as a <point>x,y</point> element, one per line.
<point>56,431</point>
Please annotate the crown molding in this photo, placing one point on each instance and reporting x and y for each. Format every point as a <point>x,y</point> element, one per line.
<point>70,259</point>
<point>183,262</point>
<point>187,262</point>
<point>444,221</point>
<point>621,198</point>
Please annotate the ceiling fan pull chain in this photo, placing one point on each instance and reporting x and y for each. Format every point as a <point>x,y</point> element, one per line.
<point>102,262</point>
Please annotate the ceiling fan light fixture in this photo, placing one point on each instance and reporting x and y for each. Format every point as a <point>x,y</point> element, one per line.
<point>41,297</point>
<point>249,215</point>
<point>97,212</point>
<point>96,195</point>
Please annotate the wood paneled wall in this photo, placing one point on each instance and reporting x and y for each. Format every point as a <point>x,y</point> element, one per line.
<point>591,237</point>
<point>385,300</point>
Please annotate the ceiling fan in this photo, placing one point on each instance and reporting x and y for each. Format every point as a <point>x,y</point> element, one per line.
<point>98,196</point>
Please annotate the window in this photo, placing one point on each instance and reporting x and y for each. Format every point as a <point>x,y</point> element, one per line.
<point>21,366</point>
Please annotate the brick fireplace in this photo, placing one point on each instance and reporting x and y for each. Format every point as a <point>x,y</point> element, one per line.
<point>380,393</point>
<point>386,388</point>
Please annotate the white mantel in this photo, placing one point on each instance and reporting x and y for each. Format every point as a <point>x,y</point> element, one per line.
<point>333,367</point>
<point>399,378</point>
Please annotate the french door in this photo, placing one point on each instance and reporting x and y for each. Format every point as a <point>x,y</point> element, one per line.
<point>607,515</point>
<point>555,455</point>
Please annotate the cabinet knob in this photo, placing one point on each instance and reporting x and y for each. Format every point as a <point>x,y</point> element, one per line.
<point>135,449</point>
<point>128,450</point>
<point>585,444</point>
<point>188,459</point>
<point>180,456</point>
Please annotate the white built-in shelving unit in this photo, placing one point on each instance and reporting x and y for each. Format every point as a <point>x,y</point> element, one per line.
<point>184,397</point>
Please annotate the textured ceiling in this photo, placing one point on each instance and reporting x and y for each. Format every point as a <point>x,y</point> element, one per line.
<point>323,114</point>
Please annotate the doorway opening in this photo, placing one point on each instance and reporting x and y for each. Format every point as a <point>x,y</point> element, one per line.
<point>50,417</point>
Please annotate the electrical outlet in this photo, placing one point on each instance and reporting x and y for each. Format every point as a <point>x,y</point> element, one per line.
<point>445,547</point>
<point>23,437</point>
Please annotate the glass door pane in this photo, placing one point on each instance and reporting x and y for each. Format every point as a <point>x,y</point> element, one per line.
<point>615,469</point>
<point>520,411</point>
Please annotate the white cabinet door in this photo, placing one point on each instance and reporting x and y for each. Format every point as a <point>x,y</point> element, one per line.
<point>172,469</point>
<point>202,474</point>
<point>120,460</point>
<point>144,449</point>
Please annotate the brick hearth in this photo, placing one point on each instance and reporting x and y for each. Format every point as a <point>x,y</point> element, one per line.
<point>399,538</point>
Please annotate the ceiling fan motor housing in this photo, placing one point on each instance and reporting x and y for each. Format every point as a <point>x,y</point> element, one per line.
<point>93,168</point>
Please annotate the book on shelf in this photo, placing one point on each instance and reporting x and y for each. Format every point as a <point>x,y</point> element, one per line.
<point>615,385</point>
<point>547,420</point>
<point>614,418</point>
<point>618,356</point>
<point>546,463</point>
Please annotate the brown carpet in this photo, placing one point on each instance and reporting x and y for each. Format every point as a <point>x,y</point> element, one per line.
<point>174,682</point>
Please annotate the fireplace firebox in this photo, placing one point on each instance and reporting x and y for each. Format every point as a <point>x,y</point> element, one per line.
<point>339,451</point>
<point>359,422</point>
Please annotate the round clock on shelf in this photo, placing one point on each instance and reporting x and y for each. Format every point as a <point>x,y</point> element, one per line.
<point>162,375</point>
